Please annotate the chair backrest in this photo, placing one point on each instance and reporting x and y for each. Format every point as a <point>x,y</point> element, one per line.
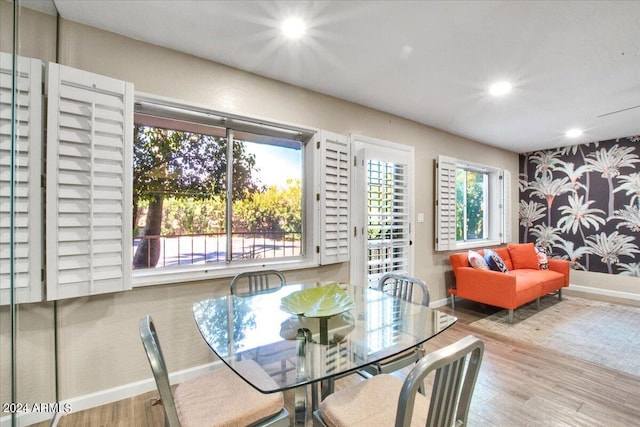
<point>156,360</point>
<point>456,370</point>
<point>253,282</point>
<point>402,286</point>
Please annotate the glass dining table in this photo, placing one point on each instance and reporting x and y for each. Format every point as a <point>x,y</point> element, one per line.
<point>308,353</point>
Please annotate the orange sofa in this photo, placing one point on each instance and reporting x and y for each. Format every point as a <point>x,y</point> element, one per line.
<point>523,282</point>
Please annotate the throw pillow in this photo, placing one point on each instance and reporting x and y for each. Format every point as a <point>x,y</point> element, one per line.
<point>543,262</point>
<point>523,255</point>
<point>494,261</point>
<point>476,260</point>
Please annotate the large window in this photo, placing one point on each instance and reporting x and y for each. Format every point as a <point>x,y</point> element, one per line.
<point>215,191</point>
<point>472,207</point>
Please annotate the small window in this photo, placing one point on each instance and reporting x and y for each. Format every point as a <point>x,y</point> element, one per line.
<point>215,192</point>
<point>472,207</point>
<point>472,195</point>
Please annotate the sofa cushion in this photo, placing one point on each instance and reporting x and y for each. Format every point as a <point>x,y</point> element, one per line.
<point>523,255</point>
<point>477,261</point>
<point>543,262</point>
<point>552,281</point>
<point>506,258</point>
<point>494,261</point>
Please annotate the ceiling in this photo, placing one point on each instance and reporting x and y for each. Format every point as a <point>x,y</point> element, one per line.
<point>571,64</point>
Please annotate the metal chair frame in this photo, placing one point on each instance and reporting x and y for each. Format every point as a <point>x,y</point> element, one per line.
<point>258,281</point>
<point>152,348</point>
<point>400,286</point>
<point>456,372</point>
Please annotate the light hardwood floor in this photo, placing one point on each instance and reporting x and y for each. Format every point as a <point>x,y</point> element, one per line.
<point>520,384</point>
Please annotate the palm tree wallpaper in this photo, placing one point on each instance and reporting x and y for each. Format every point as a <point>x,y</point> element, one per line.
<point>582,202</point>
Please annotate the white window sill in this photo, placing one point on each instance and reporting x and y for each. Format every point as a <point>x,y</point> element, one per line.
<point>163,276</point>
<point>477,244</point>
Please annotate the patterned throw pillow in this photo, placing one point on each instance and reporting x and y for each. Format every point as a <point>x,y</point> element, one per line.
<point>543,262</point>
<point>476,260</point>
<point>494,261</point>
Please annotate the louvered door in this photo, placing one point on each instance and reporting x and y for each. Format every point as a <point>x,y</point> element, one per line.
<point>383,214</point>
<point>20,238</point>
<point>334,198</point>
<point>89,183</point>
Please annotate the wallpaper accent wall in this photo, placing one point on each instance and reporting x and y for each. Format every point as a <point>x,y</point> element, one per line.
<point>583,202</point>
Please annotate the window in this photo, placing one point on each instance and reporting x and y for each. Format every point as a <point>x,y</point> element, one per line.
<point>472,206</point>
<point>472,190</point>
<point>215,191</point>
<point>235,193</point>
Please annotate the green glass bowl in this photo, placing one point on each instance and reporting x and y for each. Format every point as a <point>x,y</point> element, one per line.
<point>325,301</point>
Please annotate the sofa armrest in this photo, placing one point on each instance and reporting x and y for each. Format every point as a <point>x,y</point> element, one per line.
<point>561,266</point>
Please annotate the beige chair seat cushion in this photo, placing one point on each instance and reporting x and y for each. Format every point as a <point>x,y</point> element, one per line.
<point>232,401</point>
<point>368,404</point>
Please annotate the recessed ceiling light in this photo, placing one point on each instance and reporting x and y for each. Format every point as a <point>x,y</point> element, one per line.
<point>573,133</point>
<point>293,28</point>
<point>500,88</point>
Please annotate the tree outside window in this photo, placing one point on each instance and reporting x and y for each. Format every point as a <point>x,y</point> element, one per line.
<point>180,190</point>
<point>471,204</point>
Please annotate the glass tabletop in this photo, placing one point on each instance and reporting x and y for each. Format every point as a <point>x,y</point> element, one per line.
<point>255,327</point>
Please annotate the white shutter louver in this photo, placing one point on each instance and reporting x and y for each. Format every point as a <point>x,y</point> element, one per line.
<point>334,198</point>
<point>506,206</point>
<point>388,227</point>
<point>89,183</point>
<point>27,208</point>
<point>445,203</point>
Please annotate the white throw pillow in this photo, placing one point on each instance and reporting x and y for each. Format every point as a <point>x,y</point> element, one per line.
<point>477,261</point>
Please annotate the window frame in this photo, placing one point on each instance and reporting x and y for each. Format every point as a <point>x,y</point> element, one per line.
<point>148,103</point>
<point>497,205</point>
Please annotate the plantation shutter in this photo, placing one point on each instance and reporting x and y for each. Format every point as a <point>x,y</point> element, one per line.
<point>388,213</point>
<point>334,197</point>
<point>445,203</point>
<point>89,183</point>
<point>506,206</point>
<point>27,207</point>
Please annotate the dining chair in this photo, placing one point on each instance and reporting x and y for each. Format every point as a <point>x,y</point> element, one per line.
<point>402,287</point>
<point>385,400</point>
<point>252,282</point>
<point>218,398</point>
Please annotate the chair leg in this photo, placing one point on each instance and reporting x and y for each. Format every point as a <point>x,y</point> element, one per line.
<point>511,316</point>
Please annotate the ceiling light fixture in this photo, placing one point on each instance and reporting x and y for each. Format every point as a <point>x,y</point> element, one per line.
<point>294,28</point>
<point>573,133</point>
<point>500,88</point>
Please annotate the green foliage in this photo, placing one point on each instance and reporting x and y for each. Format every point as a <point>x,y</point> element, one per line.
<point>469,205</point>
<point>170,163</point>
<point>272,209</point>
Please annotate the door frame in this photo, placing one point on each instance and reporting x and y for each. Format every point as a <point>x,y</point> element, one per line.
<point>358,255</point>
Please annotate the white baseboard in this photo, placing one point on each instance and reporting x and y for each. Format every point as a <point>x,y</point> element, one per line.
<point>111,395</point>
<point>605,292</point>
<point>26,419</point>
<point>439,303</point>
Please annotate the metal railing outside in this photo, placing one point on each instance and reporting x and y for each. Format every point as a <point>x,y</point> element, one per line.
<point>188,249</point>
